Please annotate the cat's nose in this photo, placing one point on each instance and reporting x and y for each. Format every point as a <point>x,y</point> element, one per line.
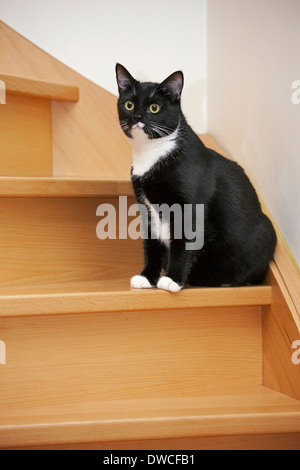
<point>138,117</point>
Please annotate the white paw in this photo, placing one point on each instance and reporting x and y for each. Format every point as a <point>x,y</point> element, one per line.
<point>140,282</point>
<point>166,283</point>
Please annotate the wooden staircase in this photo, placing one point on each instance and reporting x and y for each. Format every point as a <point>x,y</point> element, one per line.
<point>90,363</point>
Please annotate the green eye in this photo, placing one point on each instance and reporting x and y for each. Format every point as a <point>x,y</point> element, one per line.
<point>154,108</point>
<point>129,105</point>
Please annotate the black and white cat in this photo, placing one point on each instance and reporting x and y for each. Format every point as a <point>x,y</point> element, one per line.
<point>170,165</point>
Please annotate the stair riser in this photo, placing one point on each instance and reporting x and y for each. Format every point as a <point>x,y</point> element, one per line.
<point>25,136</point>
<point>56,361</point>
<point>51,240</point>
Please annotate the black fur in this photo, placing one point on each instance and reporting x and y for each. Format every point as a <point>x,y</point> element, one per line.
<point>239,239</point>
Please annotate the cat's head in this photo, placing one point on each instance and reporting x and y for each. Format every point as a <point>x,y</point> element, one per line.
<point>148,110</point>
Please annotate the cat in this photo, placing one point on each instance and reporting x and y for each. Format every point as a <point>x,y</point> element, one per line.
<point>171,165</point>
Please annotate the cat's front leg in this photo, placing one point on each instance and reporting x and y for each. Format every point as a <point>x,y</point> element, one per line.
<point>155,253</point>
<point>179,267</point>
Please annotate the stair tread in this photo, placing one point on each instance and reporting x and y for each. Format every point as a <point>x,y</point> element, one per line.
<point>19,85</point>
<point>63,187</point>
<point>257,411</point>
<point>115,295</point>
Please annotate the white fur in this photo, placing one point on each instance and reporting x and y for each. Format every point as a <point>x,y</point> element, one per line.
<point>146,152</point>
<point>139,124</point>
<point>160,227</point>
<point>140,282</point>
<point>166,283</point>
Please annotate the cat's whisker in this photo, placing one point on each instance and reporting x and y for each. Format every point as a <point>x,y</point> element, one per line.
<point>164,127</point>
<point>161,130</point>
<point>151,133</point>
<point>160,125</point>
<point>158,131</point>
<point>124,125</point>
<point>167,131</point>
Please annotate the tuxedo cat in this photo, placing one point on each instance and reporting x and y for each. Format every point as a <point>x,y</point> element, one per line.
<point>171,165</point>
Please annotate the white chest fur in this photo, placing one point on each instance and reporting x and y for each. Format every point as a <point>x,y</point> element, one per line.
<point>160,227</point>
<point>146,152</point>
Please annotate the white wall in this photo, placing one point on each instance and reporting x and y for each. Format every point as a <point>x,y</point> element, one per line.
<point>151,38</point>
<point>253,59</point>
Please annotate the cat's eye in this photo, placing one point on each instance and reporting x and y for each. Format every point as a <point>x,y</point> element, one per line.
<point>129,105</point>
<point>154,108</point>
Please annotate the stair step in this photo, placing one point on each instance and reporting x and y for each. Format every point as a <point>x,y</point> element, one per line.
<point>18,85</point>
<point>26,132</point>
<point>86,359</point>
<point>115,295</point>
<point>63,187</point>
<point>259,411</point>
<point>82,364</point>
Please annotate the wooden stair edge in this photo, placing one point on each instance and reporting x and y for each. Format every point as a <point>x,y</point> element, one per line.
<point>64,187</point>
<point>216,418</point>
<point>132,300</point>
<point>289,274</point>
<point>25,86</point>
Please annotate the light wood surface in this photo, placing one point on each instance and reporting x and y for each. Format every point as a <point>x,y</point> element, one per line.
<point>288,271</point>
<point>115,300</point>
<point>54,240</point>
<point>25,136</point>
<point>255,442</point>
<point>87,139</point>
<point>72,187</point>
<point>60,364</point>
<point>70,269</point>
<point>19,85</point>
<point>281,327</point>
<point>63,187</point>
<point>261,411</point>
<point>290,275</point>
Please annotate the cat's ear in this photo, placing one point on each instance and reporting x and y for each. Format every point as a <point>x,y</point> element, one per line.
<point>124,79</point>
<point>173,85</point>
